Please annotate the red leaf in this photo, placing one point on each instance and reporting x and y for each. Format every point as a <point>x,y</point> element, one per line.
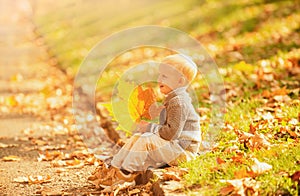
<point>220,161</point>
<point>296,176</point>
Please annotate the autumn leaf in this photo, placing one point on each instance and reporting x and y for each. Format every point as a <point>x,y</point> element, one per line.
<point>58,163</point>
<point>11,158</point>
<point>296,176</point>
<point>171,176</point>
<point>11,101</point>
<point>134,192</point>
<point>49,156</point>
<point>220,161</point>
<point>32,179</point>
<point>253,141</point>
<point>238,159</point>
<point>38,179</point>
<point>240,187</point>
<point>140,102</point>
<point>243,173</point>
<point>260,167</point>
<point>2,145</point>
<point>130,104</point>
<point>172,187</point>
<point>148,97</point>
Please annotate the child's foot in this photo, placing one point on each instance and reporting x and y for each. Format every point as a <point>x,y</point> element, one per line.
<point>116,176</point>
<point>99,173</point>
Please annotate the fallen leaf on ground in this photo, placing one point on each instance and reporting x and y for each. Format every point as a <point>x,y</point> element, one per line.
<point>119,187</point>
<point>240,187</point>
<point>171,186</point>
<point>179,171</point>
<point>11,158</point>
<point>50,147</point>
<point>238,159</point>
<point>296,177</point>
<point>243,173</point>
<point>253,141</point>
<point>233,148</point>
<point>58,163</point>
<point>260,167</point>
<point>73,162</point>
<point>134,191</point>
<point>171,176</point>
<point>2,145</point>
<point>32,179</point>
<point>49,156</point>
<point>21,179</point>
<point>220,161</point>
<point>259,141</point>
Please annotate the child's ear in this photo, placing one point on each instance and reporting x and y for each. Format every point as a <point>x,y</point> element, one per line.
<point>182,80</point>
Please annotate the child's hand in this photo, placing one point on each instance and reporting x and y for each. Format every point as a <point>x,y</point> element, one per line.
<point>154,110</point>
<point>142,127</point>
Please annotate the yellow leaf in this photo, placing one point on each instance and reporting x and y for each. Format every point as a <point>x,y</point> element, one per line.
<point>11,158</point>
<point>11,101</point>
<point>243,66</point>
<point>140,102</point>
<point>135,106</point>
<point>130,105</point>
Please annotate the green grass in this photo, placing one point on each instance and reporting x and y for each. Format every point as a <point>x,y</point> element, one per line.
<point>284,159</point>
<point>291,111</point>
<point>207,173</point>
<point>241,114</point>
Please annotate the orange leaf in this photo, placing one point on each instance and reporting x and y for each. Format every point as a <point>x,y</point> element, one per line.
<point>243,173</point>
<point>227,190</point>
<point>149,98</point>
<point>139,103</point>
<point>280,91</point>
<point>220,161</point>
<point>238,159</point>
<point>252,128</point>
<point>171,176</point>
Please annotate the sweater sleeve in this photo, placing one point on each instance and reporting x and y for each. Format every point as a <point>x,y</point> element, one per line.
<point>172,128</point>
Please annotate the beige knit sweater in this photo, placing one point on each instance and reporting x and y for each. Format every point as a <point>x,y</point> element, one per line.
<point>179,120</point>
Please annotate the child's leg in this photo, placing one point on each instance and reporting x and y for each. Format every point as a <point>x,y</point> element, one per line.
<point>150,151</point>
<point>122,154</point>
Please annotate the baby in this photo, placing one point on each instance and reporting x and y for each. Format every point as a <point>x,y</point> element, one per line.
<point>176,138</point>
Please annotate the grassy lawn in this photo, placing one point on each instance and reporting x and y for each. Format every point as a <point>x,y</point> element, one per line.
<point>256,45</point>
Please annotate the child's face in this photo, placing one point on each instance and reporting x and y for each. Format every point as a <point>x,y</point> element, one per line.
<point>168,79</point>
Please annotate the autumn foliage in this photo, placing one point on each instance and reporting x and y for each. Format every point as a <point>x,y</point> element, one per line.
<point>140,102</point>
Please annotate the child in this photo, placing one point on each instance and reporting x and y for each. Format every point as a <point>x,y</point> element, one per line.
<point>176,138</point>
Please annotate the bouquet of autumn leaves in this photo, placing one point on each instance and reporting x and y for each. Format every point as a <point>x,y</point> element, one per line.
<point>130,104</point>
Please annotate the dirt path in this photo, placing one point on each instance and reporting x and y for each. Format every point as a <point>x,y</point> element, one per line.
<point>34,116</point>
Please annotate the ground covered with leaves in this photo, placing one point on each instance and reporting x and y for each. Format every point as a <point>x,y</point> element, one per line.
<point>256,45</point>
